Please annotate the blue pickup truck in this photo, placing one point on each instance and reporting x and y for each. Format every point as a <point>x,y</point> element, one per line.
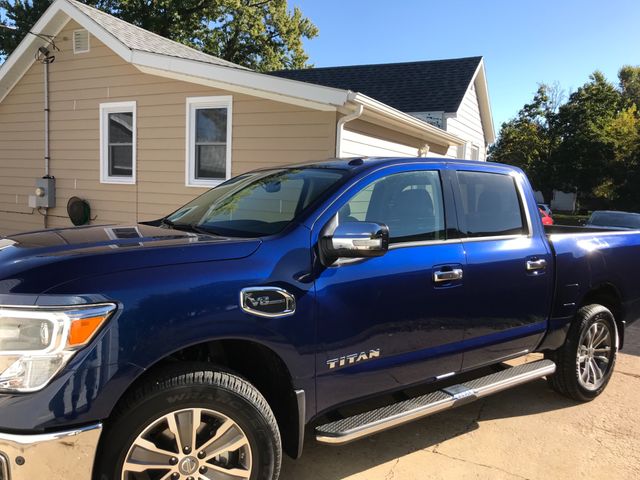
<point>203,345</point>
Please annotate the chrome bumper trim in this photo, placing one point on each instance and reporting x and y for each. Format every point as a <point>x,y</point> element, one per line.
<point>51,456</point>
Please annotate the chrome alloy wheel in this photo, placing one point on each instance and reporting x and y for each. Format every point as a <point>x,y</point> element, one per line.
<point>595,353</point>
<point>189,444</point>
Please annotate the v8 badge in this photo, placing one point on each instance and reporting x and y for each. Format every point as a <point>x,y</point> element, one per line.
<point>267,301</point>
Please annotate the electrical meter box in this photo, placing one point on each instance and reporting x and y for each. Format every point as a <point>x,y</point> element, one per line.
<point>45,193</point>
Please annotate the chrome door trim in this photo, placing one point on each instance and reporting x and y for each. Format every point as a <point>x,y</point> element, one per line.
<point>448,275</point>
<point>536,265</point>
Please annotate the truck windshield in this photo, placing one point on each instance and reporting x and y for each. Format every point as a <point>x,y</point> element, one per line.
<point>257,204</point>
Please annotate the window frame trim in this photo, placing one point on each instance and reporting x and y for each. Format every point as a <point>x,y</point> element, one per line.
<point>193,104</point>
<point>106,109</point>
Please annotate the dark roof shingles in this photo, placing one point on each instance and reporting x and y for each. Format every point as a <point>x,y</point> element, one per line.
<point>430,86</point>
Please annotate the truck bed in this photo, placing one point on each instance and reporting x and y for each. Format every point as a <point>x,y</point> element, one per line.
<point>589,259</point>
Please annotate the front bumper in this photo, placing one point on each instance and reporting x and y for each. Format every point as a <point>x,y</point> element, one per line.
<point>51,456</point>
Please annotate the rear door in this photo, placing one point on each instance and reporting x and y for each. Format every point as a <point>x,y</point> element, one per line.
<point>508,277</point>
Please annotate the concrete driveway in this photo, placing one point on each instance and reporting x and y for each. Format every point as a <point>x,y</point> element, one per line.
<point>526,433</point>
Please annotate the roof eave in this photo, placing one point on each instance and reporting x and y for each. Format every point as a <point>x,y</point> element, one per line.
<point>479,79</point>
<point>408,123</point>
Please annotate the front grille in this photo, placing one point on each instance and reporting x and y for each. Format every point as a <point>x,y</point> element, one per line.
<point>4,473</point>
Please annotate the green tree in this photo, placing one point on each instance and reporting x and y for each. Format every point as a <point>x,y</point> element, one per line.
<point>584,155</point>
<point>259,34</point>
<point>527,140</point>
<point>630,84</point>
<point>590,144</point>
<point>623,134</point>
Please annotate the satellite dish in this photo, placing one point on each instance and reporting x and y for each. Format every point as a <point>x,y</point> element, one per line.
<point>79,211</point>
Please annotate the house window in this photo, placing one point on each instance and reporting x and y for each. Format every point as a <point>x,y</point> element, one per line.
<point>118,142</point>
<point>475,152</point>
<point>208,141</point>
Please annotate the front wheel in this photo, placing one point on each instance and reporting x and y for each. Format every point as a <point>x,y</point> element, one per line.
<point>195,425</point>
<point>586,361</point>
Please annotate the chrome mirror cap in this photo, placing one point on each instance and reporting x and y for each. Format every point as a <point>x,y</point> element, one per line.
<point>357,240</point>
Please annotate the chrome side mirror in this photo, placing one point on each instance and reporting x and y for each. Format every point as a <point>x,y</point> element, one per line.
<point>357,240</point>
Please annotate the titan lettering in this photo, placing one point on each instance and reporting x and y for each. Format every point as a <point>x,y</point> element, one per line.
<point>352,359</point>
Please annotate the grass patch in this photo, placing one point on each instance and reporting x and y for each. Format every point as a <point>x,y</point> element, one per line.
<point>569,219</point>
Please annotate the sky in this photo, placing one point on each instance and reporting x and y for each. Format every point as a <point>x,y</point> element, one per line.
<point>523,42</point>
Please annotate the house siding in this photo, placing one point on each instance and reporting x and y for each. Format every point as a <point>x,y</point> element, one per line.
<point>467,124</point>
<point>265,133</point>
<point>363,138</point>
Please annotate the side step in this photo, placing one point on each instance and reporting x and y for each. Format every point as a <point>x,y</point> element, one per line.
<point>364,424</point>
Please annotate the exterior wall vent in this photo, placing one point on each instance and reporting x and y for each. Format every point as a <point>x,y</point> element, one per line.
<point>80,41</point>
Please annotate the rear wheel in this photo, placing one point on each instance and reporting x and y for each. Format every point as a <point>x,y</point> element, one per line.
<point>196,425</point>
<point>586,361</point>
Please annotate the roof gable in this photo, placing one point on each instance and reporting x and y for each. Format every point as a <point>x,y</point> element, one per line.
<point>411,87</point>
<point>136,38</point>
<point>430,86</point>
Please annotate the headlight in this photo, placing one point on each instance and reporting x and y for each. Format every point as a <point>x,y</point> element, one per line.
<point>36,343</point>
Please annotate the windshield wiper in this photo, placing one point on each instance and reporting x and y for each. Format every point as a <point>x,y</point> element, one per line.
<point>190,227</point>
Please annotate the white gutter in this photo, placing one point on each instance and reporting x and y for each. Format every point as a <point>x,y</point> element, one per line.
<point>357,113</point>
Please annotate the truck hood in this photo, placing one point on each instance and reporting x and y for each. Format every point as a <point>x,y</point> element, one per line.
<point>37,261</point>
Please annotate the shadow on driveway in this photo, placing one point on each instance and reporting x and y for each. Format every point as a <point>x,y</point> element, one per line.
<point>336,463</point>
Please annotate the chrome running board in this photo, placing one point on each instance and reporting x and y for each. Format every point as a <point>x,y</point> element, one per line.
<point>365,424</point>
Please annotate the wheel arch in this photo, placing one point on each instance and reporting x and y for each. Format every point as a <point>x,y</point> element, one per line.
<point>256,363</point>
<point>608,295</point>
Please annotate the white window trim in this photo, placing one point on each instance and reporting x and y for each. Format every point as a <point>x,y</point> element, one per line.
<point>73,40</point>
<point>105,110</point>
<point>193,104</point>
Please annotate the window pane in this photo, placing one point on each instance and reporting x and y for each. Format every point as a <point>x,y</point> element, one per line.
<point>490,204</point>
<point>410,204</point>
<point>120,160</point>
<point>211,161</point>
<point>121,127</point>
<point>211,125</point>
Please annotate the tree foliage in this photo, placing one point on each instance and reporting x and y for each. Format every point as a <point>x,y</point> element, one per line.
<point>259,34</point>
<point>589,144</point>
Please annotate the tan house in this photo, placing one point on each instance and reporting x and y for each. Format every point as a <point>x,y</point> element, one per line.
<point>138,125</point>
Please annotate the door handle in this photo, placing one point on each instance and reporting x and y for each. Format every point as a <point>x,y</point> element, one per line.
<point>533,265</point>
<point>447,276</point>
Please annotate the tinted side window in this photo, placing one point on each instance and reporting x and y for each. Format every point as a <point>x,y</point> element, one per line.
<point>410,204</point>
<point>490,204</point>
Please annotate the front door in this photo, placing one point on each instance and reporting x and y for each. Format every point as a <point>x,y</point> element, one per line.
<point>509,274</point>
<point>384,323</point>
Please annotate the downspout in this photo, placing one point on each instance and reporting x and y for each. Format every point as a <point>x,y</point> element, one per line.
<point>357,113</point>
<point>46,118</point>
<point>46,60</point>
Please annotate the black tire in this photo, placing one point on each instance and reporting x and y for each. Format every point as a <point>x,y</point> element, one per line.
<point>192,386</point>
<point>566,379</point>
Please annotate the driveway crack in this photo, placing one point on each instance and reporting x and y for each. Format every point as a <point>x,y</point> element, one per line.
<point>632,375</point>
<point>491,467</point>
<point>467,428</point>
<point>391,473</point>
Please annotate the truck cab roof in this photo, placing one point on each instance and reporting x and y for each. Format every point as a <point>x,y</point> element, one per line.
<point>360,164</point>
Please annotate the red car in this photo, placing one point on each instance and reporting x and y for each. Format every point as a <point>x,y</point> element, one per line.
<point>546,218</point>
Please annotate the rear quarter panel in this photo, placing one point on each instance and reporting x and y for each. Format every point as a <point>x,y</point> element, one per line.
<point>587,261</point>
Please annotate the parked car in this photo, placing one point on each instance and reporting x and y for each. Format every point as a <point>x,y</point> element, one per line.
<point>614,220</point>
<point>203,344</point>
<point>545,217</point>
<point>545,208</point>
